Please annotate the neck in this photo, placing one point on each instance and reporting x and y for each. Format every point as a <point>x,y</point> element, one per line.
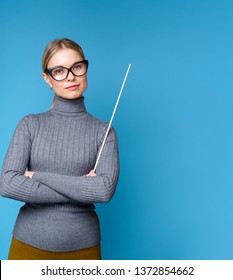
<point>69,107</point>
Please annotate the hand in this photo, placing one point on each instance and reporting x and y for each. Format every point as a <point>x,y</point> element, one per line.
<point>91,173</point>
<point>29,174</point>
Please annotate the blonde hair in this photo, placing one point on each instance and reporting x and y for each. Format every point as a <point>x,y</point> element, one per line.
<point>57,45</point>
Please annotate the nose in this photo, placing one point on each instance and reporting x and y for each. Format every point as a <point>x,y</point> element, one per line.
<point>70,76</point>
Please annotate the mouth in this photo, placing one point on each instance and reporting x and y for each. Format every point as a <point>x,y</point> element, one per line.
<point>72,87</point>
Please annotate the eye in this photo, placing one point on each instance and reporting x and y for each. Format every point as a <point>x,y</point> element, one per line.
<point>58,71</point>
<point>77,67</point>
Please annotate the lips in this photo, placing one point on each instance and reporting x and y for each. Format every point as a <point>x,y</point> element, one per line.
<point>72,87</point>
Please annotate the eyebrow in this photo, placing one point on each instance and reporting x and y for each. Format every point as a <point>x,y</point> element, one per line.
<point>65,66</point>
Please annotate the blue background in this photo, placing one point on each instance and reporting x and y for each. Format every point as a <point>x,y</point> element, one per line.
<point>174,121</point>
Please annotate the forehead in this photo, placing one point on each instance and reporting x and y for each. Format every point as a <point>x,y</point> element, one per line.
<point>64,57</point>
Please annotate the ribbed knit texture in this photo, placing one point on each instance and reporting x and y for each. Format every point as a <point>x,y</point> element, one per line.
<point>61,147</point>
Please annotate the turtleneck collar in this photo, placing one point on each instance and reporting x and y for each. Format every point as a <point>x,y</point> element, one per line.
<point>70,108</point>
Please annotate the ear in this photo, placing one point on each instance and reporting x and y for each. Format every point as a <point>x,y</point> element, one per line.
<point>47,79</point>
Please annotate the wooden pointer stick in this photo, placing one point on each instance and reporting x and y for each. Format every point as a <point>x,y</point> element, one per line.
<point>109,125</point>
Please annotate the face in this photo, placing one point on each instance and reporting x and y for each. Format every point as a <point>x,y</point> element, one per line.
<point>73,86</point>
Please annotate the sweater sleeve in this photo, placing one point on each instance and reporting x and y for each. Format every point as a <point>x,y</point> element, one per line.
<point>13,183</point>
<point>88,189</point>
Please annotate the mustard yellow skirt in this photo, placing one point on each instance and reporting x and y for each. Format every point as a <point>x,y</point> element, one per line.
<point>22,251</point>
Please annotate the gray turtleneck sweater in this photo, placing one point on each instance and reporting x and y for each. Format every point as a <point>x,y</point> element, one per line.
<point>61,147</point>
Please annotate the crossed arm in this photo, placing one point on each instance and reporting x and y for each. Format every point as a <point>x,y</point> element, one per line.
<point>30,173</point>
<point>44,187</point>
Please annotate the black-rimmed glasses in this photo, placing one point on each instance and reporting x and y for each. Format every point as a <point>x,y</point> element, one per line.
<point>60,73</point>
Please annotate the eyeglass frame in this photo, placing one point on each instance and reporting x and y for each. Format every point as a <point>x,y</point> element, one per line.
<point>49,70</point>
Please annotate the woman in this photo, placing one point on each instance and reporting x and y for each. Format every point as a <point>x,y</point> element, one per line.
<point>59,149</point>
